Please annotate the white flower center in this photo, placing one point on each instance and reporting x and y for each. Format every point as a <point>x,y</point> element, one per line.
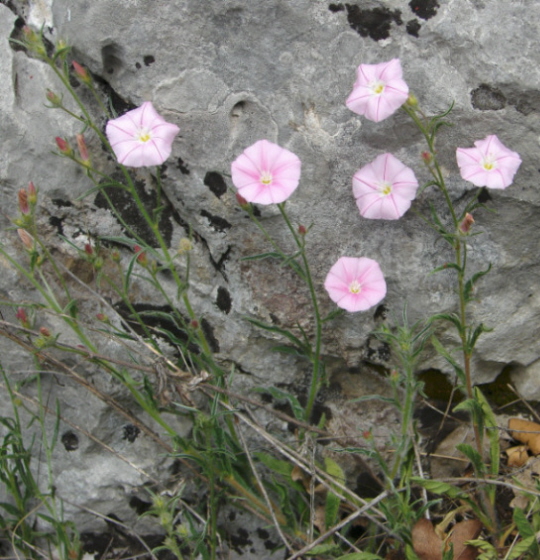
<point>385,188</point>
<point>266,178</point>
<point>355,287</point>
<point>489,163</point>
<point>143,135</point>
<point>377,88</point>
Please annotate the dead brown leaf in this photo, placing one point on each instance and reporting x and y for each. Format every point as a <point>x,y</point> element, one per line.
<point>526,432</point>
<point>462,532</point>
<point>517,456</point>
<point>426,543</point>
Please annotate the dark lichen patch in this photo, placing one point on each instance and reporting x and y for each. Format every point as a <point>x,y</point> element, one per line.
<point>336,8</point>
<point>216,183</point>
<point>138,65</point>
<point>130,432</point>
<point>424,8</point>
<point>240,540</point>
<point>373,23</point>
<point>126,207</point>
<point>487,98</point>
<point>208,331</point>
<point>148,59</point>
<point>70,441</point>
<point>413,27</point>
<point>58,224</point>
<point>184,168</point>
<point>61,203</point>
<point>216,222</point>
<point>223,300</point>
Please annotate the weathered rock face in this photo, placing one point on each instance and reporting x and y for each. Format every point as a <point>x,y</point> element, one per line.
<point>232,72</point>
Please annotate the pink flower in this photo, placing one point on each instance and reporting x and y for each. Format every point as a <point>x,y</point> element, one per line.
<point>265,173</point>
<point>141,137</point>
<point>379,90</point>
<point>490,164</point>
<point>384,188</point>
<point>355,284</point>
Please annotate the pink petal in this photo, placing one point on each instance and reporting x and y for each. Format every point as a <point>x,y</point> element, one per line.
<point>366,272</point>
<point>266,157</point>
<point>123,133</point>
<point>506,163</point>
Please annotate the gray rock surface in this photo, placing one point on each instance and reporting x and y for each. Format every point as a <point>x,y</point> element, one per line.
<point>230,72</point>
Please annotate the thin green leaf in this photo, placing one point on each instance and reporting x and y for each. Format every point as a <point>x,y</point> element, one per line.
<point>474,457</point>
<point>262,256</point>
<point>446,266</point>
<point>284,332</point>
<point>327,548</point>
<point>448,357</point>
<point>437,487</point>
<point>469,285</point>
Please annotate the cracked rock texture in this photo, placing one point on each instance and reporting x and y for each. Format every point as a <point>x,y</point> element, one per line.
<point>230,72</point>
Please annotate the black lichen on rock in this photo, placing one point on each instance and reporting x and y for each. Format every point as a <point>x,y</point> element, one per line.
<point>216,222</point>
<point>70,441</point>
<point>424,8</point>
<point>216,183</point>
<point>413,27</point>
<point>223,300</point>
<point>373,23</point>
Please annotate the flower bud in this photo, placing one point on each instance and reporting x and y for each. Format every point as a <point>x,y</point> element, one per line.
<point>427,157</point>
<point>32,194</point>
<point>102,317</point>
<point>302,230</point>
<point>142,259</point>
<point>412,100</point>
<point>23,201</point>
<point>194,324</point>
<point>82,73</point>
<point>54,98</point>
<point>34,42</point>
<point>63,146</point>
<point>83,150</point>
<point>466,223</point>
<point>23,318</point>
<point>115,256</point>
<point>44,331</point>
<point>88,249</point>
<point>26,238</point>
<point>185,246</point>
<point>244,204</point>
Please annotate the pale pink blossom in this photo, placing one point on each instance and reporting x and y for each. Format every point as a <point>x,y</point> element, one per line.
<point>141,137</point>
<point>265,173</point>
<point>355,284</point>
<point>379,90</point>
<point>384,188</point>
<point>489,164</point>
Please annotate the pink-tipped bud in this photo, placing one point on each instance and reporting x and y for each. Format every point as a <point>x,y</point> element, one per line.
<point>44,331</point>
<point>427,157</point>
<point>302,230</point>
<point>88,249</point>
<point>142,259</point>
<point>241,201</point>
<point>63,146</point>
<point>102,317</point>
<point>466,223</point>
<point>53,98</point>
<point>83,150</point>
<point>81,72</point>
<point>23,318</point>
<point>34,41</point>
<point>23,201</point>
<point>194,324</point>
<point>32,193</point>
<point>26,238</point>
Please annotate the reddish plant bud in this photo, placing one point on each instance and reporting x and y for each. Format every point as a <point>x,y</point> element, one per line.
<point>44,331</point>
<point>81,72</point>
<point>63,146</point>
<point>26,238</point>
<point>102,317</point>
<point>142,259</point>
<point>466,223</point>
<point>88,249</point>
<point>53,98</point>
<point>115,255</point>
<point>23,317</point>
<point>427,157</point>
<point>194,324</point>
<point>32,193</point>
<point>302,230</point>
<point>83,150</point>
<point>241,200</point>
<point>23,201</point>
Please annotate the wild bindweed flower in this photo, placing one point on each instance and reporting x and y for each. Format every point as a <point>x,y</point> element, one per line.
<point>384,188</point>
<point>379,90</point>
<point>489,164</point>
<point>141,137</point>
<point>265,173</point>
<point>355,284</point>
